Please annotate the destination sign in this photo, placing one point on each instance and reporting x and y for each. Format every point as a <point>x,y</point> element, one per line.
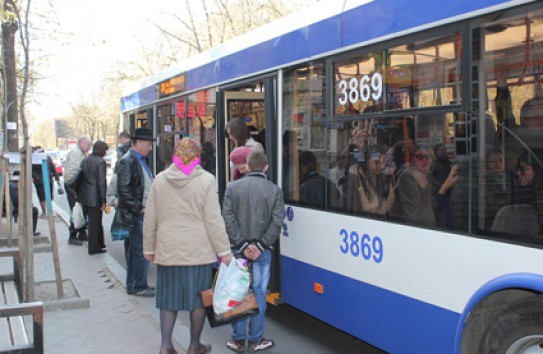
<point>172,86</point>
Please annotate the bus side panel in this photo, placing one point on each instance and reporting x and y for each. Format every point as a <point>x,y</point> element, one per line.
<point>388,320</point>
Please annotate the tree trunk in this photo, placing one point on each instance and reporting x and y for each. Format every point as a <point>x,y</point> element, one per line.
<point>9,27</point>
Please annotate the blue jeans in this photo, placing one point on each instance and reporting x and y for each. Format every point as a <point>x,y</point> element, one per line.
<point>261,276</point>
<point>136,265</point>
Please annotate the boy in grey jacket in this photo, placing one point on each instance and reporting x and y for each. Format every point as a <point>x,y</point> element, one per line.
<point>253,211</point>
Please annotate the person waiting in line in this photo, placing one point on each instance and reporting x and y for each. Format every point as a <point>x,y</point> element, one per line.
<point>238,159</point>
<point>37,175</point>
<point>414,194</point>
<point>134,180</point>
<point>123,147</point>
<point>14,196</point>
<point>314,188</point>
<point>253,211</point>
<point>92,194</point>
<point>183,234</point>
<point>72,165</point>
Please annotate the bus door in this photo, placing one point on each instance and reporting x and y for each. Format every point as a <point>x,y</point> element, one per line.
<point>255,103</point>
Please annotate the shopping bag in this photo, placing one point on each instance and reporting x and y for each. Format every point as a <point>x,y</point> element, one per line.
<point>231,287</point>
<point>247,308</point>
<point>78,217</point>
<point>118,233</point>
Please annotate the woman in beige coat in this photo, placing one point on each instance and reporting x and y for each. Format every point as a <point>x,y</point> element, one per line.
<point>183,233</point>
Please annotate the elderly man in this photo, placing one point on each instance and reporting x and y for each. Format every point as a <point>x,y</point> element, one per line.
<point>134,179</point>
<point>72,165</point>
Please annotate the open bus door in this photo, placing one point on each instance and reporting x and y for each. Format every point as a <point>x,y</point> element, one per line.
<point>255,103</point>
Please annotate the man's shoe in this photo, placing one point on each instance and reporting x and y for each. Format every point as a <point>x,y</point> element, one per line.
<point>74,241</point>
<point>37,233</point>
<point>262,344</point>
<point>236,345</point>
<point>144,293</point>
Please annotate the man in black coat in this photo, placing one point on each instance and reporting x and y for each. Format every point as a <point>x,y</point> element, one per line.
<point>134,179</point>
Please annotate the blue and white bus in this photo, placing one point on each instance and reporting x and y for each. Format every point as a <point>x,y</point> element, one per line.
<point>341,96</point>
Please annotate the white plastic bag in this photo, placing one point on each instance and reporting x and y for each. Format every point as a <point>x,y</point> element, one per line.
<point>78,216</point>
<point>231,287</point>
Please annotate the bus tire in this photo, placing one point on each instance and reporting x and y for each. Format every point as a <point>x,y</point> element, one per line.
<point>517,330</point>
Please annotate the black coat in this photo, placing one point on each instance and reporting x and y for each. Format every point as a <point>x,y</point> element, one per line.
<point>93,186</point>
<point>37,172</point>
<point>130,187</point>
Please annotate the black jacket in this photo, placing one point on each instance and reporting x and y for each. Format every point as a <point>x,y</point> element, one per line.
<point>37,172</point>
<point>130,186</point>
<point>92,189</point>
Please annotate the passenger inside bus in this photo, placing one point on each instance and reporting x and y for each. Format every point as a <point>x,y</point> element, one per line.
<point>522,147</point>
<point>314,188</point>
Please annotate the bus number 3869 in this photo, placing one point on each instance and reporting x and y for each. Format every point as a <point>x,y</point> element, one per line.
<point>364,89</point>
<point>363,246</point>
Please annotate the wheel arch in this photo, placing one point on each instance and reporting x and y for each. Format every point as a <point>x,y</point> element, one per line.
<point>489,301</point>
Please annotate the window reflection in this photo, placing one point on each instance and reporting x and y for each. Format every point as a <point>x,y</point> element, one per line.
<point>419,74</point>
<point>511,183</point>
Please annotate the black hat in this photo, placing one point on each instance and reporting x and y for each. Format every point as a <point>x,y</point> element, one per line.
<point>143,134</point>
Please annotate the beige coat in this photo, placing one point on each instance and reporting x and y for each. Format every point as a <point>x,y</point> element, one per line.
<point>72,164</point>
<point>183,223</point>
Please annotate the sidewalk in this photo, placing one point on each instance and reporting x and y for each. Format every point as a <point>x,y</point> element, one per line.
<point>114,322</point>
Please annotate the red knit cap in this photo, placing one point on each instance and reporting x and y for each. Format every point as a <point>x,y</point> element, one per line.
<point>239,155</point>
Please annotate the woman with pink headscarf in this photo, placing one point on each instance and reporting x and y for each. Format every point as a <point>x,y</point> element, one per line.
<point>183,233</point>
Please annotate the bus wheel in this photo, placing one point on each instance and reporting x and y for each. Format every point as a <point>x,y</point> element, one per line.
<point>518,330</point>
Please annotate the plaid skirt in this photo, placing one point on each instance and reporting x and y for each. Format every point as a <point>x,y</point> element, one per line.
<point>178,287</point>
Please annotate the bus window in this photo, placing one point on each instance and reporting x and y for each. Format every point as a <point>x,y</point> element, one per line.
<point>202,125</point>
<point>417,74</point>
<point>305,164</point>
<point>372,161</point>
<point>511,168</point>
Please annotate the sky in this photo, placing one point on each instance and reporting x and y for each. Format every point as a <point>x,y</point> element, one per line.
<point>90,35</point>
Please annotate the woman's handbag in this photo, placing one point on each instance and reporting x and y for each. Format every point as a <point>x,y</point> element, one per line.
<point>232,298</point>
<point>75,181</point>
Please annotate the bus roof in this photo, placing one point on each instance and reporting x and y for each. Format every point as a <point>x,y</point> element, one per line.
<point>309,34</point>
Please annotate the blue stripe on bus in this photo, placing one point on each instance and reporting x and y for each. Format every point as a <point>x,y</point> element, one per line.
<point>384,17</point>
<point>373,20</point>
<point>390,321</point>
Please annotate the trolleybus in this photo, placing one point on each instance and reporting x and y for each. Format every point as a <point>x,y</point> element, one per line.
<point>364,107</point>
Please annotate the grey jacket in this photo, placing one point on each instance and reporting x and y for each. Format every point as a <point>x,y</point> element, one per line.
<point>253,211</point>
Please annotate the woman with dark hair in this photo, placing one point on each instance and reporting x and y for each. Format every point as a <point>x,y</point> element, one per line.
<point>239,133</point>
<point>414,192</point>
<point>92,194</point>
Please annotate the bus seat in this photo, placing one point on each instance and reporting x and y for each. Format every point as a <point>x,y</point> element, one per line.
<point>516,219</point>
